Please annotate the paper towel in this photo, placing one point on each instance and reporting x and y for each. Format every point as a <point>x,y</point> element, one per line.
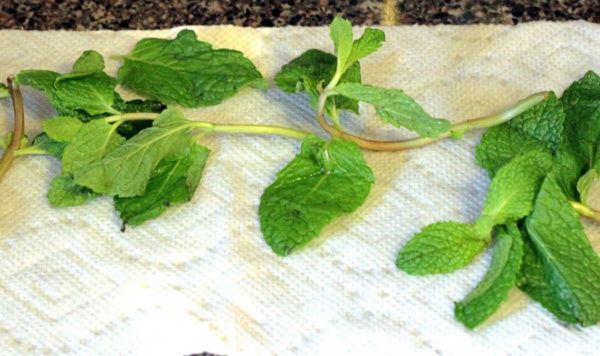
<point>201,278</point>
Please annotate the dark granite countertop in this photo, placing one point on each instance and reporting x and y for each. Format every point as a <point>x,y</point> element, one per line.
<point>147,14</point>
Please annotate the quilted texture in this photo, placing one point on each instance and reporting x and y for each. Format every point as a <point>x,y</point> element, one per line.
<point>202,278</point>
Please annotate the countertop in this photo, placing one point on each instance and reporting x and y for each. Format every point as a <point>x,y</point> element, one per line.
<point>145,14</point>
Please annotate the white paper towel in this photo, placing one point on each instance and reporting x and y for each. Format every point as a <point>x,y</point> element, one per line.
<point>200,278</point>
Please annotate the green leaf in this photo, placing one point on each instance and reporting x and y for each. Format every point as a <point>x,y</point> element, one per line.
<point>441,247</point>
<point>571,267</point>
<point>174,180</point>
<point>86,89</point>
<point>4,93</point>
<point>540,126</point>
<point>313,68</point>
<point>582,125</point>
<point>513,189</point>
<point>62,128</point>
<point>500,278</point>
<point>89,62</point>
<point>534,283</point>
<point>90,144</point>
<point>64,192</point>
<point>368,43</point>
<point>588,181</point>
<point>396,108</point>
<point>53,147</point>
<point>325,180</point>
<point>585,184</point>
<point>197,74</point>
<point>340,31</point>
<point>568,167</point>
<point>94,93</point>
<point>125,171</point>
<point>197,157</point>
<point>41,80</point>
<point>500,144</point>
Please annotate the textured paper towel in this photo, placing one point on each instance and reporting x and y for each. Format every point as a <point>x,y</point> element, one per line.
<point>201,277</point>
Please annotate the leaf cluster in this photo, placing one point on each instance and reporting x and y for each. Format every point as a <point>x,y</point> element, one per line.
<point>539,162</point>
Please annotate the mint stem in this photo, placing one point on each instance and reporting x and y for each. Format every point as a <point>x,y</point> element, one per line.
<point>460,128</point>
<point>131,117</point>
<point>586,211</point>
<point>18,131</point>
<point>210,127</point>
<point>249,129</point>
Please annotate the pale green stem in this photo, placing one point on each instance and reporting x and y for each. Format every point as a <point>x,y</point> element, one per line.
<point>457,129</point>
<point>248,129</point>
<point>131,117</point>
<point>217,128</point>
<point>335,118</point>
<point>586,211</point>
<point>334,81</point>
<point>30,150</point>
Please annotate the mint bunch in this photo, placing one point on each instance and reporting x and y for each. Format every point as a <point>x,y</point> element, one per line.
<point>542,155</point>
<point>541,164</point>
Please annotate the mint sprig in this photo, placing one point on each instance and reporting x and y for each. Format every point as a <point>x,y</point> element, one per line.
<point>541,154</point>
<point>535,160</point>
<point>325,180</point>
<point>196,73</point>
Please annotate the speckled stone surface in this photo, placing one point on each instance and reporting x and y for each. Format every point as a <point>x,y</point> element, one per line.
<point>122,14</point>
<point>495,11</point>
<point>148,14</point>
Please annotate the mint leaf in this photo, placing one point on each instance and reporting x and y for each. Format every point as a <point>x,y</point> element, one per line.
<point>585,184</point>
<point>88,63</point>
<point>347,51</point>
<point>500,278</point>
<point>313,68</point>
<point>589,180</point>
<point>340,31</point>
<point>197,74</point>
<point>500,144</point>
<point>395,108</point>
<point>540,126</point>
<point>62,128</point>
<point>571,267</point>
<point>534,283</point>
<point>41,80</point>
<point>568,167</point>
<point>64,192</point>
<point>582,125</point>
<point>94,93</point>
<point>441,247</point>
<point>89,145</point>
<point>325,180</point>
<point>87,88</point>
<point>369,42</point>
<point>174,180</point>
<point>197,158</point>
<point>125,171</point>
<point>513,190</point>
